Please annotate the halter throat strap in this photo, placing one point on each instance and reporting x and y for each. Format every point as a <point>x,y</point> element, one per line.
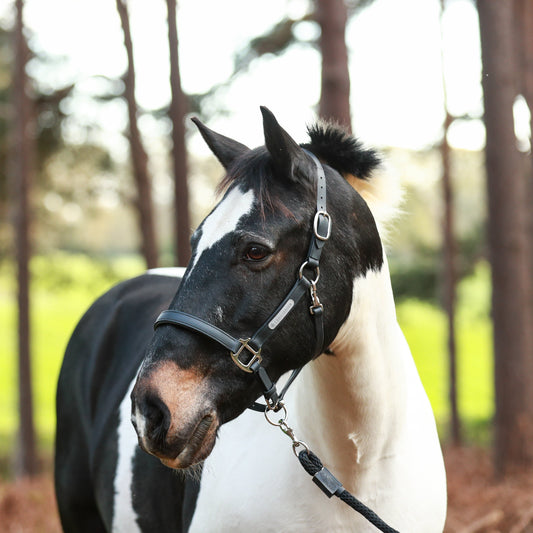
<point>246,352</point>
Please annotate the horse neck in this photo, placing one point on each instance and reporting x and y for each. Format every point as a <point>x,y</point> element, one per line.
<point>349,403</point>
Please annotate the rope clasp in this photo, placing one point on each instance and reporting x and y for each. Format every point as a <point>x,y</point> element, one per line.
<point>282,424</point>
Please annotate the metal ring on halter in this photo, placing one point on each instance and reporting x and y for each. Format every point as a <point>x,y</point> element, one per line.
<point>317,271</point>
<point>282,419</point>
<point>296,443</point>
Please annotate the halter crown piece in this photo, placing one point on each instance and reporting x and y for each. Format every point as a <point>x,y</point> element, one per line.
<point>251,347</point>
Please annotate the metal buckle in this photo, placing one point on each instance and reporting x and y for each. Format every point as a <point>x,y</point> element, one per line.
<point>255,356</point>
<point>327,216</point>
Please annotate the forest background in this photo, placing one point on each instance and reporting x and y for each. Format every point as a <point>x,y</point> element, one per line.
<point>108,163</point>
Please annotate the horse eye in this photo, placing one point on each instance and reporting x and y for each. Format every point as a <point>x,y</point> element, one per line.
<point>256,252</point>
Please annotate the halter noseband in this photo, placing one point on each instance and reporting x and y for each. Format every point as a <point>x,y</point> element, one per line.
<point>254,344</point>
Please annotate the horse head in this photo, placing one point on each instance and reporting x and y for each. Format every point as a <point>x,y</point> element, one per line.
<point>246,256</point>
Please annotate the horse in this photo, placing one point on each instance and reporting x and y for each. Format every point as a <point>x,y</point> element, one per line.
<point>302,274</point>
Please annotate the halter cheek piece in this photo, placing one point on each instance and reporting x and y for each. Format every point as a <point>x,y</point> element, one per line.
<point>251,347</point>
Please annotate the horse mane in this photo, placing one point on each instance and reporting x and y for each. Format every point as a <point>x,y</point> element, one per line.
<point>362,167</point>
<point>341,151</point>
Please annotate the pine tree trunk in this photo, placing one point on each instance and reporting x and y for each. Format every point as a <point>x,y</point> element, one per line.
<point>449,282</point>
<point>179,153</point>
<point>334,104</point>
<point>524,48</point>
<point>139,158</point>
<point>22,158</point>
<point>508,242</point>
<point>450,258</point>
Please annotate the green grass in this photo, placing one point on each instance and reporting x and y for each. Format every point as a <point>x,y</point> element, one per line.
<point>65,285</point>
<point>425,328</point>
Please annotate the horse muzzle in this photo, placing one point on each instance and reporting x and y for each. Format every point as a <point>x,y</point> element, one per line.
<point>173,416</point>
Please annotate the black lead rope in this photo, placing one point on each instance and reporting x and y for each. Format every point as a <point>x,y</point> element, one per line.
<point>331,486</point>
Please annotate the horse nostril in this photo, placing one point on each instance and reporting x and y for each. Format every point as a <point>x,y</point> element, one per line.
<point>156,417</point>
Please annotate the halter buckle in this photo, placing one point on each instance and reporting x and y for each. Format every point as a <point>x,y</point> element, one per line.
<point>256,356</point>
<point>316,223</point>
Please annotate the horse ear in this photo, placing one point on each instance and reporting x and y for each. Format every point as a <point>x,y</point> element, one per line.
<point>288,157</point>
<point>225,149</point>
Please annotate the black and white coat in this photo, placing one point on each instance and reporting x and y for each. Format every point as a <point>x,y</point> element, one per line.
<point>362,410</point>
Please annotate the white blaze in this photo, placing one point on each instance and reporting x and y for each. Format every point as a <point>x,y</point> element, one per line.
<point>223,220</point>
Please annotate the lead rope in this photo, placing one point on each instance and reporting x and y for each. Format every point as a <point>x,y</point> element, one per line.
<point>322,477</point>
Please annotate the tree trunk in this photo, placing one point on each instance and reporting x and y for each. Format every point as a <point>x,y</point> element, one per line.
<point>179,154</point>
<point>508,243</point>
<point>524,47</point>
<point>334,104</point>
<point>139,158</point>
<point>450,281</point>
<point>22,158</point>
<point>450,255</point>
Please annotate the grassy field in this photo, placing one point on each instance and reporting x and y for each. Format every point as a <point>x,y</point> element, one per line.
<point>65,285</point>
<point>425,327</point>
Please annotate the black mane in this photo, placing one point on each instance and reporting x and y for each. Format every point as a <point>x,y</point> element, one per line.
<point>341,151</point>
<point>328,142</point>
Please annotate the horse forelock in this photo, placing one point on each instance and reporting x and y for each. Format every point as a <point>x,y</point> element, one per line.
<point>254,171</point>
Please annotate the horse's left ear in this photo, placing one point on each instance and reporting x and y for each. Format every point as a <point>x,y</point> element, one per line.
<point>225,149</point>
<point>289,158</point>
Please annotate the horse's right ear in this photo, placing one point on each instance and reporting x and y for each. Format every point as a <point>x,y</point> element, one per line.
<point>288,157</point>
<point>225,149</point>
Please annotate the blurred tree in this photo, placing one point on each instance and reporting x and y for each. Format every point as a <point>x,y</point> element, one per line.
<point>22,160</point>
<point>75,175</point>
<point>332,17</point>
<point>177,113</point>
<point>449,274</point>
<point>509,242</point>
<point>524,49</point>
<point>334,104</point>
<point>139,159</point>
<point>6,72</point>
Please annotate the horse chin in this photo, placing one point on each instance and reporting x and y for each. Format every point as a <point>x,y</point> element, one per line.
<point>199,445</point>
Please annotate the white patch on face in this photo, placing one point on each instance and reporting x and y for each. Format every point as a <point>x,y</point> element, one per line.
<point>124,516</point>
<point>223,220</point>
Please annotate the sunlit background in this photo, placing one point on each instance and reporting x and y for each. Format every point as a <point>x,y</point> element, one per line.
<point>403,60</point>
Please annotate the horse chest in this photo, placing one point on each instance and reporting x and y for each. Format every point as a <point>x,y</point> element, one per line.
<point>253,480</point>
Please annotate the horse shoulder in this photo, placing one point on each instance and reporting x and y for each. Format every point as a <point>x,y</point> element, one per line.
<point>413,492</point>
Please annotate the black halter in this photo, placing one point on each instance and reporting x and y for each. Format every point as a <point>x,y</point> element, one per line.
<point>254,344</point>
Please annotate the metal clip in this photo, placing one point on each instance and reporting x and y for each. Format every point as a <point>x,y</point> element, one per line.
<point>314,297</point>
<point>256,356</point>
<point>282,424</point>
